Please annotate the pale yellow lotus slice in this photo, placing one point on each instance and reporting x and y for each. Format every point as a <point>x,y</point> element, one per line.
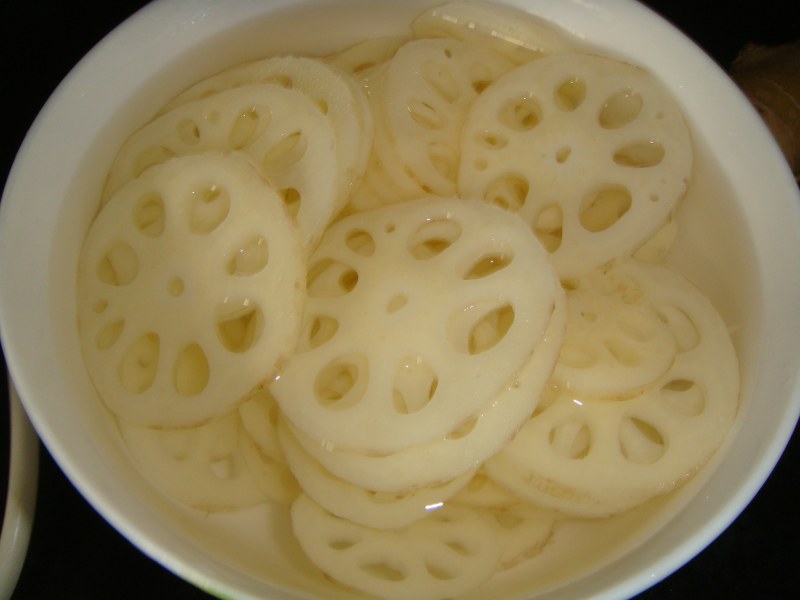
<point>420,107</point>
<point>461,450</point>
<point>448,553</point>
<point>617,342</point>
<point>517,35</point>
<point>190,291</point>
<point>336,95</point>
<point>595,455</point>
<point>201,466</point>
<point>593,153</point>
<point>282,131</point>
<point>417,315</point>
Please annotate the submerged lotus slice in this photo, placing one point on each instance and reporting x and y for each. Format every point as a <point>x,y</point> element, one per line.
<point>417,314</point>
<point>446,554</point>
<point>183,307</point>
<point>592,152</point>
<point>201,466</point>
<point>616,342</point>
<point>600,454</point>
<point>513,33</point>
<point>282,131</point>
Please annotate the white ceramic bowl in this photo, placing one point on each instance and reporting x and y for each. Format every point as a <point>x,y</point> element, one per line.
<point>742,246</point>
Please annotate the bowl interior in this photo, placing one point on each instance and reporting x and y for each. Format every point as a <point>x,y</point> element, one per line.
<point>738,241</point>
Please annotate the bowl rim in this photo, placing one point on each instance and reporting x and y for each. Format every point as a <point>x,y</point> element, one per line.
<point>22,182</point>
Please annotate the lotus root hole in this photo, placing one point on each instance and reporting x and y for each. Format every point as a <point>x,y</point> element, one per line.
<point>285,153</point>
<point>604,208</point>
<point>571,440</point>
<point>439,572</point>
<point>109,334</point>
<point>209,207</point>
<point>249,258</point>
<point>640,441</point>
<point>463,430</point>
<point>328,278</point>
<point>641,155</point>
<point>139,364</point>
<point>480,76</point>
<point>570,94</point>
<point>491,329</point>
<point>521,114</point>
<point>396,303</point>
<point>119,266</point>
<point>188,132</point>
<point>191,371</point>
<point>434,237</point>
<point>508,192</point>
<point>149,216</point>
<point>488,265</point>
<point>384,571</point>
<point>239,327</point>
<point>247,125</point>
<point>321,330</point>
<point>414,386</point>
<point>175,287</point>
<point>280,79</point>
<point>340,384</point>
<point>548,227</point>
<point>620,109</point>
<point>491,140</point>
<point>360,242</point>
<point>684,397</point>
<point>291,200</point>
<point>563,154</point>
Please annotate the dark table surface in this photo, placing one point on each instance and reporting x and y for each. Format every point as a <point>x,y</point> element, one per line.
<point>74,553</point>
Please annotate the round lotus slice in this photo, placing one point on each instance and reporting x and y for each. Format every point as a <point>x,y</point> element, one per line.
<point>515,34</point>
<point>417,315</point>
<point>591,152</point>
<point>595,455</point>
<point>450,552</point>
<point>201,466</point>
<point>429,86</point>
<point>190,291</point>
<point>461,450</point>
<point>360,505</point>
<point>282,131</point>
<point>336,95</point>
<point>617,342</point>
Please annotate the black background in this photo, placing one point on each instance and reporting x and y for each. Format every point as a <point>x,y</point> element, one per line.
<point>74,553</point>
